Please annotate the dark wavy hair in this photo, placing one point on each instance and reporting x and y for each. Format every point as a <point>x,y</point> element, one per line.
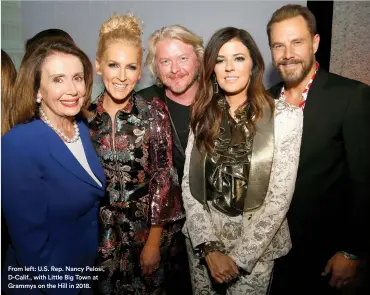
<point>205,112</point>
<point>33,42</point>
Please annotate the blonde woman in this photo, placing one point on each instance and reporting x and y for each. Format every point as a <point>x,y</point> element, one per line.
<point>133,140</point>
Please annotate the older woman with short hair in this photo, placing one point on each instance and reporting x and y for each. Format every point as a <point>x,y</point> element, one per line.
<point>52,180</point>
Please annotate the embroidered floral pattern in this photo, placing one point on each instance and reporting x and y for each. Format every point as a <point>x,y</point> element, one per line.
<point>142,190</point>
<point>253,240</point>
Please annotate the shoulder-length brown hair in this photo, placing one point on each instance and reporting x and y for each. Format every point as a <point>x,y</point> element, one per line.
<point>29,76</point>
<point>8,76</point>
<point>206,114</point>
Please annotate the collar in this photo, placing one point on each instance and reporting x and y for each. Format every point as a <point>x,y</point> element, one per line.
<point>305,90</point>
<point>100,109</point>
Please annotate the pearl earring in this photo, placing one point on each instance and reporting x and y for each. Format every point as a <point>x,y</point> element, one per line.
<point>38,100</point>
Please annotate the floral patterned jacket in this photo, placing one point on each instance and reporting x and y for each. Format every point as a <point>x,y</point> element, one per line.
<point>263,235</point>
<point>137,159</point>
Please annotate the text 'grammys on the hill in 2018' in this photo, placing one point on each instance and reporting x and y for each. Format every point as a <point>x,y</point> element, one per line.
<point>52,277</point>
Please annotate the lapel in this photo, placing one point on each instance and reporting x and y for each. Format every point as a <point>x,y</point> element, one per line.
<point>314,104</point>
<point>260,167</point>
<point>92,157</point>
<point>197,178</point>
<point>313,97</point>
<point>261,161</point>
<point>64,156</point>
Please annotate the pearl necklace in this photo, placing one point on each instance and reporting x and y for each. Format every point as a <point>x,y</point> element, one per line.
<point>60,132</point>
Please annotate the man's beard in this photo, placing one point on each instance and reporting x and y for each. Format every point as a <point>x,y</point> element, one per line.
<point>186,87</point>
<point>294,77</point>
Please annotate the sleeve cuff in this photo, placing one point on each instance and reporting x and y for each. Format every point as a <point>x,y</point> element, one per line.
<point>202,250</point>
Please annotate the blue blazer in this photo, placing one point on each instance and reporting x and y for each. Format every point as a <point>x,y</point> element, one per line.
<point>51,207</point>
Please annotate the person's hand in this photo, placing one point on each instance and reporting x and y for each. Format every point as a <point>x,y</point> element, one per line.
<point>342,270</point>
<point>223,269</point>
<point>150,258</point>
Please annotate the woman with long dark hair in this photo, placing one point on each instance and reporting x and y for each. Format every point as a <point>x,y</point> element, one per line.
<point>240,170</point>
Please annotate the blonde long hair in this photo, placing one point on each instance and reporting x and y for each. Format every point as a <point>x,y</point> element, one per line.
<point>172,32</point>
<point>120,28</point>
